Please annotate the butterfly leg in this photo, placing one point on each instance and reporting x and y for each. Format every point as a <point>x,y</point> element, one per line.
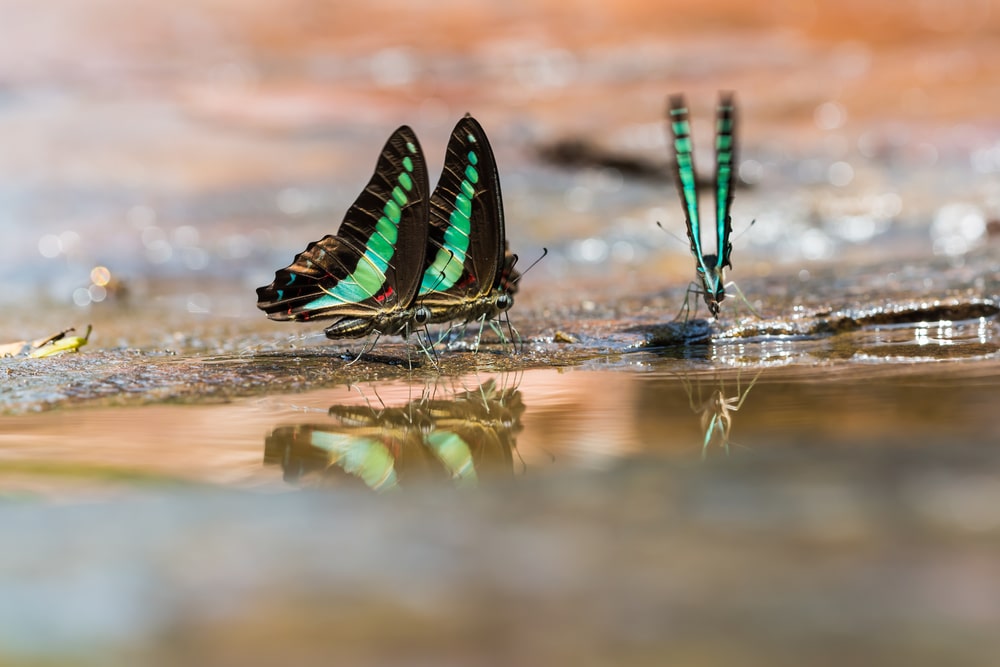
<point>686,306</point>
<point>512,335</point>
<point>516,342</point>
<point>428,348</point>
<point>744,299</point>
<point>423,342</point>
<point>452,333</point>
<point>479,334</point>
<point>515,336</point>
<point>746,392</point>
<point>365,349</point>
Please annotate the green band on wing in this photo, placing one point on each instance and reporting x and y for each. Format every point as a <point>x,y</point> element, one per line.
<point>449,261</point>
<point>690,186</point>
<point>399,195</point>
<point>724,155</point>
<point>368,277</point>
<point>468,189</point>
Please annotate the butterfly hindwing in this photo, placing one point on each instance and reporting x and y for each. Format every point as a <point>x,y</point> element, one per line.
<point>687,183</point>
<point>374,262</point>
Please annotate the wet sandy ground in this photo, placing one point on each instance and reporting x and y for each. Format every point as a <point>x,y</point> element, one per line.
<point>192,149</point>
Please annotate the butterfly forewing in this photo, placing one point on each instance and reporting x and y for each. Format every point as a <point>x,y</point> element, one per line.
<point>725,161</point>
<point>466,237</point>
<point>687,184</point>
<point>376,258</point>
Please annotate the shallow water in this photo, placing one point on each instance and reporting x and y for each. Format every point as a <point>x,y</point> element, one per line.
<point>897,385</point>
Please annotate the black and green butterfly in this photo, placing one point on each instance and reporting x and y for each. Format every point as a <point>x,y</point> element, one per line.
<point>470,274</point>
<point>402,259</point>
<point>711,267</point>
<point>369,273</point>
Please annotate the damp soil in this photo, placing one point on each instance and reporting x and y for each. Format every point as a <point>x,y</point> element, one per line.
<point>196,359</point>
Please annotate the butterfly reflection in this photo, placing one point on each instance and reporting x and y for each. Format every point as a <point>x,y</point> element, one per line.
<point>716,408</point>
<point>462,439</point>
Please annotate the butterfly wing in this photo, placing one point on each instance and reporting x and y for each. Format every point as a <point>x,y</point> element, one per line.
<point>687,185</point>
<point>375,261</point>
<point>725,161</point>
<point>467,240</point>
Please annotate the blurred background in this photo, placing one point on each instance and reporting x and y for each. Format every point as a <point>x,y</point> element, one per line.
<point>160,160</point>
<point>181,152</point>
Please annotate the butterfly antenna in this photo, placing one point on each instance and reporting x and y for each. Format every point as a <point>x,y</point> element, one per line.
<point>545,251</point>
<point>747,229</point>
<point>671,234</point>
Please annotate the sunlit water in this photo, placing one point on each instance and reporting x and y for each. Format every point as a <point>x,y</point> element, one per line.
<point>485,429</point>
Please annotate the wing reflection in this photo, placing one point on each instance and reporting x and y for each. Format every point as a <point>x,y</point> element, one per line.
<point>462,439</point>
<point>716,410</point>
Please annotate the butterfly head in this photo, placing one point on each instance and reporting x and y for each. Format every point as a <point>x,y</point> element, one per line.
<point>712,282</point>
<point>504,301</point>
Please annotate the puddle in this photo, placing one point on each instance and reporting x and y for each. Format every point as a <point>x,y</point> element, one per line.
<point>498,428</point>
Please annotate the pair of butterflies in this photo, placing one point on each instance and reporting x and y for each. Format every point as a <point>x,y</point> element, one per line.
<point>710,267</point>
<point>402,257</point>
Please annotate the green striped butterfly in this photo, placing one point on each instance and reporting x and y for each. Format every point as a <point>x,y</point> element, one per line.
<point>469,273</point>
<point>368,275</point>
<point>710,267</point>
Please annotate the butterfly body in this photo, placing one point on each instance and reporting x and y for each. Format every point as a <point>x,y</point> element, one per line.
<point>710,267</point>
<point>367,275</point>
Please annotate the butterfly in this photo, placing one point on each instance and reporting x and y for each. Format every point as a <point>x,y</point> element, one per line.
<point>369,273</point>
<point>710,267</point>
<point>470,272</point>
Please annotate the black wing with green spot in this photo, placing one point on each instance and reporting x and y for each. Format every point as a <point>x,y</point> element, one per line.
<point>725,175</point>
<point>467,240</point>
<point>687,182</point>
<point>376,259</point>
